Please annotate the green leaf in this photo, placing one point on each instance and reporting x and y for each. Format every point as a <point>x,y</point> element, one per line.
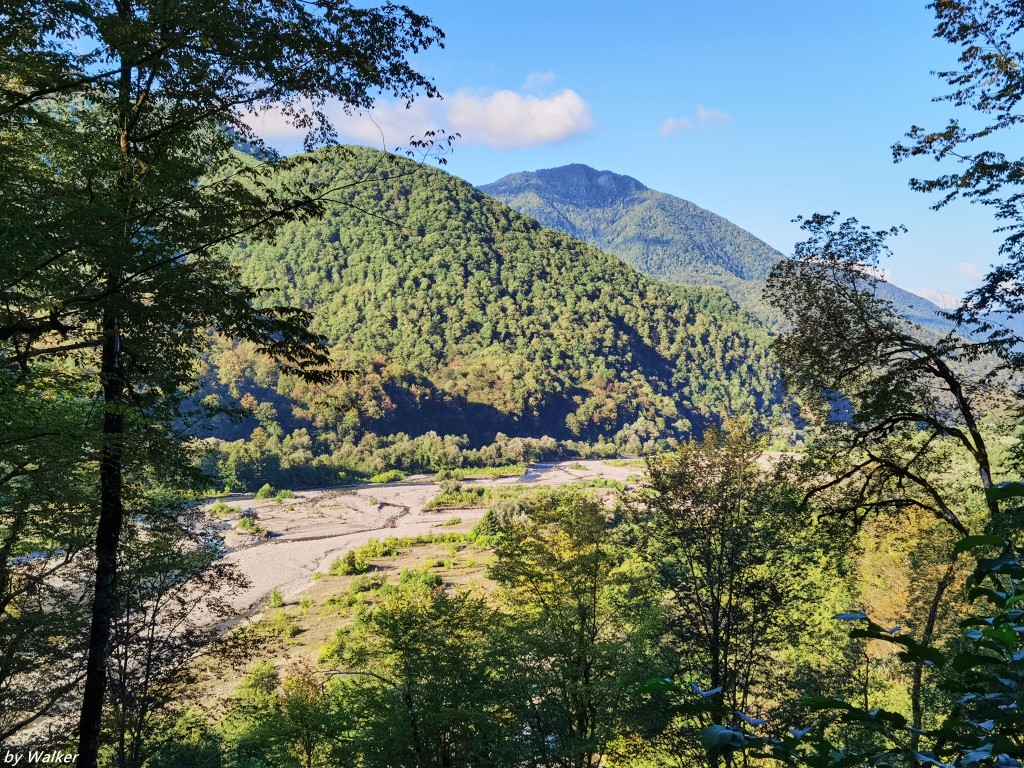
<point>1004,491</point>
<point>983,752</point>
<point>720,737</point>
<point>929,758</point>
<point>999,598</point>
<point>977,542</point>
<point>825,702</point>
<point>1004,633</point>
<point>659,685</point>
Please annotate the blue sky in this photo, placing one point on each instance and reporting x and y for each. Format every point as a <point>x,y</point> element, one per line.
<point>757,111</point>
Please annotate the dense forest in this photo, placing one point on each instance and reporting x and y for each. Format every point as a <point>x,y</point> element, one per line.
<point>460,318</point>
<point>813,559</point>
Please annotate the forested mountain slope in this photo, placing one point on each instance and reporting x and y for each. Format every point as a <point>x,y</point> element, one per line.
<point>662,235</point>
<point>462,316</point>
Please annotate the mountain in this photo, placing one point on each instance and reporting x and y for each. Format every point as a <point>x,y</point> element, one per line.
<point>463,316</point>
<point>658,234</point>
<point>664,236</point>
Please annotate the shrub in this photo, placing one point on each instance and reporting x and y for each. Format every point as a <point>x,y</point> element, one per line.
<point>452,521</point>
<point>284,493</point>
<point>266,492</point>
<point>348,564</point>
<point>389,547</point>
<point>415,577</point>
<point>281,625</point>
<point>365,583</point>
<point>219,508</point>
<point>276,598</point>
<point>388,477</point>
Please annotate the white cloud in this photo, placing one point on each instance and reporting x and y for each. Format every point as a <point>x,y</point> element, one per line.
<point>675,125</point>
<point>972,271</point>
<point>391,124</point>
<point>509,120</point>
<point>501,120</point>
<point>941,298</point>
<point>272,124</point>
<point>708,116</point>
<point>537,80</point>
<point>705,117</point>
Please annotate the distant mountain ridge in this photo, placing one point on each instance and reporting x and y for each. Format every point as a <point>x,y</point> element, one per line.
<point>659,234</point>
<point>664,236</point>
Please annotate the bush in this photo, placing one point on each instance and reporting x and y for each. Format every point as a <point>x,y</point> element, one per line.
<point>365,583</point>
<point>414,577</point>
<point>266,492</point>
<point>276,598</point>
<point>248,524</point>
<point>281,625</point>
<point>284,493</point>
<point>389,547</point>
<point>219,508</point>
<point>348,564</point>
<point>388,477</point>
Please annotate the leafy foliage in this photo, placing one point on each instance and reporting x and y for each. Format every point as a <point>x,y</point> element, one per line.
<point>989,84</point>
<point>985,679</point>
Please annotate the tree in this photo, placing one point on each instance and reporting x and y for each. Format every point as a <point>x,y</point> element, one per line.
<point>984,675</point>
<point>120,120</point>
<point>731,544</point>
<point>990,83</point>
<point>891,406</point>
<point>588,628</point>
<point>45,523</point>
<point>173,601</point>
<point>884,394</point>
<point>300,723</point>
<point>427,675</point>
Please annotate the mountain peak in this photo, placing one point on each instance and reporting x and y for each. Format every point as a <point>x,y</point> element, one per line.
<point>659,234</point>
<point>577,184</point>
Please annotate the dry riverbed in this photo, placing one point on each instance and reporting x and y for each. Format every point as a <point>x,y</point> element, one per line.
<point>308,532</point>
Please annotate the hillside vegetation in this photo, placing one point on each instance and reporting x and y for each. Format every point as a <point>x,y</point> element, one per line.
<point>460,316</point>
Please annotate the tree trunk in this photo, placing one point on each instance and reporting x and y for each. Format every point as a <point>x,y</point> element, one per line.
<point>108,538</point>
<point>917,708</point>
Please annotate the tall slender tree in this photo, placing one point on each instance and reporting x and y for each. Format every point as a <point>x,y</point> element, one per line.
<point>121,119</point>
<point>891,405</point>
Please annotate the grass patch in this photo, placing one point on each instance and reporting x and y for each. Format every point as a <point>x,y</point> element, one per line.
<point>626,463</point>
<point>357,561</point>
<point>474,497</point>
<point>491,473</point>
<point>600,482</point>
